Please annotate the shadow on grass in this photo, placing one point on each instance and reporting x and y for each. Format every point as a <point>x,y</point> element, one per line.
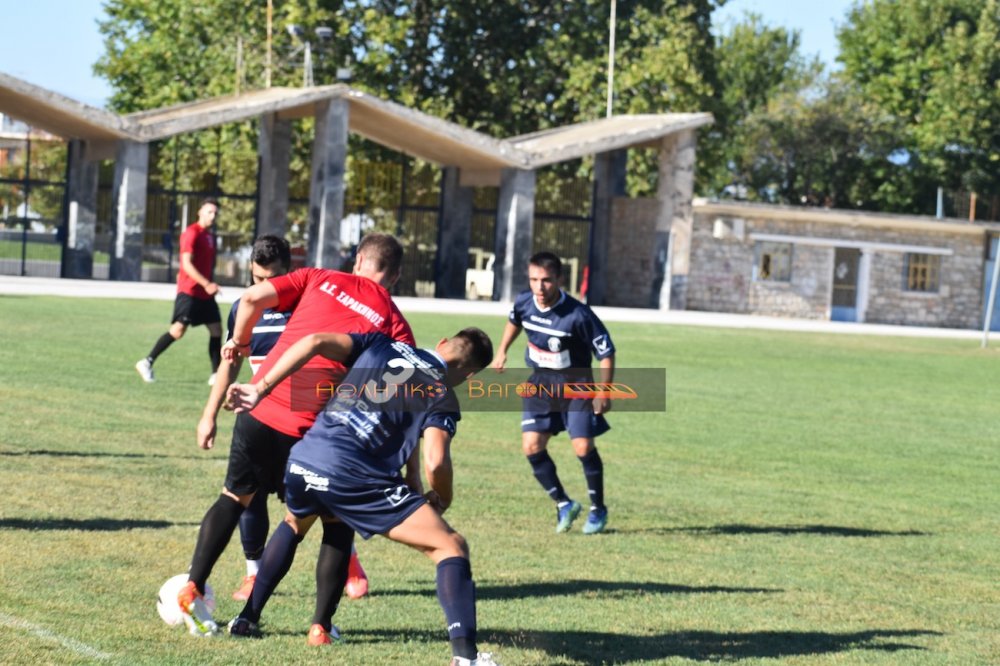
<point>594,647</point>
<point>94,454</point>
<point>87,524</point>
<point>783,530</point>
<point>568,588</point>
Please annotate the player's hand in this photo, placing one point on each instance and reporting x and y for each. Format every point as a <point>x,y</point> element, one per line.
<point>212,289</point>
<point>435,501</point>
<point>230,351</point>
<point>601,405</point>
<point>499,361</point>
<point>206,433</point>
<point>243,397</point>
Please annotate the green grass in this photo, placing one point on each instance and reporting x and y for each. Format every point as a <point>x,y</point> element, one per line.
<point>804,499</point>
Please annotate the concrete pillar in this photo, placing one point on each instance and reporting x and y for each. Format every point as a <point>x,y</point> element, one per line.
<point>672,236</point>
<point>514,230</point>
<point>81,213</point>
<point>131,175</point>
<point>274,149</point>
<point>454,232</point>
<point>327,188</point>
<point>609,180</point>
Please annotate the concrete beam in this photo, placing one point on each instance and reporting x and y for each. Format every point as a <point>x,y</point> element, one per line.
<point>80,223</point>
<point>454,232</point>
<point>609,179</point>
<point>327,188</point>
<point>274,150</point>
<point>672,241</point>
<point>131,177</point>
<point>514,231</point>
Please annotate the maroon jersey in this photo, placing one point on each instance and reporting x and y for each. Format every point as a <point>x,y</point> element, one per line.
<point>200,244</point>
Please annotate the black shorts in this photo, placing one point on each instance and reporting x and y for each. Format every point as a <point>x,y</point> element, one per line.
<point>192,311</point>
<point>257,457</point>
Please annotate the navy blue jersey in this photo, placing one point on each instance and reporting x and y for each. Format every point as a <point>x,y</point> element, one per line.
<point>562,336</point>
<point>265,333</point>
<point>375,418</point>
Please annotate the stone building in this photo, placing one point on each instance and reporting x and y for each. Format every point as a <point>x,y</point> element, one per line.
<point>840,265</point>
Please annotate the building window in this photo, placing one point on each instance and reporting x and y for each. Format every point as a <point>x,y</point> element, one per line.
<point>773,262</point>
<point>923,272</point>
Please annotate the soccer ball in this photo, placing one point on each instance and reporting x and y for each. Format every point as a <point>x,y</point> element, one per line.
<point>166,602</point>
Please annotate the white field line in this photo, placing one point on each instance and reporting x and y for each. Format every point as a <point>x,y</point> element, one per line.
<point>76,646</point>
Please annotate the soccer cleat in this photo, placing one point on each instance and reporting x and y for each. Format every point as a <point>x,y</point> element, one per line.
<point>211,379</point>
<point>357,581</point>
<point>246,587</point>
<point>194,611</point>
<point>566,514</point>
<point>145,370</point>
<point>596,520</point>
<point>240,627</point>
<point>320,636</point>
<point>482,659</point>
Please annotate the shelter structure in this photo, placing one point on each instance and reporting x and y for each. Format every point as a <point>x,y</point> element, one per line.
<point>469,159</point>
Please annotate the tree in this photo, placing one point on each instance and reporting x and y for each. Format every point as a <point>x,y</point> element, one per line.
<point>933,66</point>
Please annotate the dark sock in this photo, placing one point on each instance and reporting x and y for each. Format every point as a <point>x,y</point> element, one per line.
<point>216,530</point>
<point>457,595</point>
<point>331,571</point>
<point>215,352</point>
<point>593,469</point>
<point>545,471</point>
<point>161,346</point>
<point>274,564</point>
<point>254,525</point>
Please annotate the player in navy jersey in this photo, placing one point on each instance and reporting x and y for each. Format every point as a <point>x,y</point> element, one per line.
<point>348,464</point>
<point>563,334</point>
<point>270,257</point>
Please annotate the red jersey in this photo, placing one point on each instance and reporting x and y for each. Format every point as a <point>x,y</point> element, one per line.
<point>322,301</point>
<point>200,244</point>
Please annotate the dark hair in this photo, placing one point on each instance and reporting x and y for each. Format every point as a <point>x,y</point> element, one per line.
<point>269,249</point>
<point>384,250</point>
<point>478,344</point>
<point>547,260</point>
<point>209,200</point>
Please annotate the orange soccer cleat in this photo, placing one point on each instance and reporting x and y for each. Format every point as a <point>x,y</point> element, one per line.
<point>246,587</point>
<point>357,581</point>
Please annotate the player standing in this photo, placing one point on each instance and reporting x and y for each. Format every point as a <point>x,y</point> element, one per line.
<point>562,335</point>
<point>348,463</point>
<point>195,302</point>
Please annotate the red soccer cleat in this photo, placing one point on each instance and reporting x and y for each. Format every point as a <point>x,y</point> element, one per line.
<point>357,581</point>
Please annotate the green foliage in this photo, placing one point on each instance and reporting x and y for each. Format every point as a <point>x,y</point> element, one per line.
<point>934,65</point>
<point>804,499</point>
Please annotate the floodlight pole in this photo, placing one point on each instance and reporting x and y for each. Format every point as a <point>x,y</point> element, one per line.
<point>611,56</point>
<point>993,294</point>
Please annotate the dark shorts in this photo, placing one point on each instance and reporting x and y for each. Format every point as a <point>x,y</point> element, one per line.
<point>192,311</point>
<point>257,457</point>
<point>576,416</point>
<point>368,506</point>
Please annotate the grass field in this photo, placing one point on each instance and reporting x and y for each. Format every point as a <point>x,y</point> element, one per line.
<point>804,499</point>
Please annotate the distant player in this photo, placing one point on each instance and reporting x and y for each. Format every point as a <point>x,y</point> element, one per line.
<point>321,300</point>
<point>348,463</point>
<point>562,335</point>
<point>196,291</point>
<point>270,258</point>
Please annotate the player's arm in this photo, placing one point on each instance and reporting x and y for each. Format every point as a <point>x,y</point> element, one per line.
<point>187,265</point>
<point>254,301</point>
<point>437,467</point>
<point>412,475</point>
<point>227,374</point>
<point>607,375</point>
<point>510,333</point>
<point>334,346</point>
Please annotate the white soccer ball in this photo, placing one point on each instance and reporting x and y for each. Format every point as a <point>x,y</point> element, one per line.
<point>166,602</point>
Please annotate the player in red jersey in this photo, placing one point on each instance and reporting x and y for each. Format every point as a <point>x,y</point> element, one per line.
<point>195,303</point>
<point>321,300</point>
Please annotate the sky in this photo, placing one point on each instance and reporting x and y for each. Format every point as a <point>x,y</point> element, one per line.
<point>54,43</point>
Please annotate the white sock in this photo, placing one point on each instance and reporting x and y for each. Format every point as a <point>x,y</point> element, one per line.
<point>253,566</point>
